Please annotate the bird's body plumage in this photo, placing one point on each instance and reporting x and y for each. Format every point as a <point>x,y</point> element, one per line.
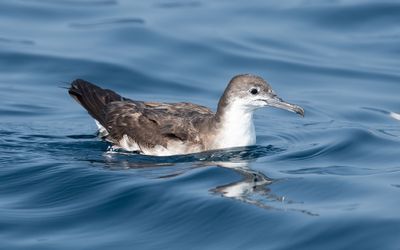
<point>148,127</point>
<point>155,128</point>
<point>158,128</point>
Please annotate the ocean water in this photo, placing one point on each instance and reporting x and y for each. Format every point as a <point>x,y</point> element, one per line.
<point>330,180</point>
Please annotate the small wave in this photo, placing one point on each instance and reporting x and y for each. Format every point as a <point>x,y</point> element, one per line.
<point>22,110</point>
<point>351,16</point>
<point>337,170</point>
<point>342,145</point>
<point>395,115</point>
<point>102,23</point>
<point>128,80</point>
<point>82,136</point>
<point>16,41</point>
<point>179,4</point>
<point>76,2</point>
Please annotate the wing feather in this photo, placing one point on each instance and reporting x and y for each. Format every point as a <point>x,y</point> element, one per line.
<point>151,124</point>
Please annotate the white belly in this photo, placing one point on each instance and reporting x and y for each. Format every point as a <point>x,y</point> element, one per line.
<point>173,148</point>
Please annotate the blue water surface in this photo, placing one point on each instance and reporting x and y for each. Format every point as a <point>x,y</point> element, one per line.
<point>330,180</point>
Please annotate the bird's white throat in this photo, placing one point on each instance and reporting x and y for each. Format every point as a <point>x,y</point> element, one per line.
<point>237,128</point>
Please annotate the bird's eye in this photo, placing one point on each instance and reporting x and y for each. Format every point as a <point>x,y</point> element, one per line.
<point>254,91</point>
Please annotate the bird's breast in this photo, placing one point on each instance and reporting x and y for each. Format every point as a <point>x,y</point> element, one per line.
<point>235,131</point>
<point>233,136</point>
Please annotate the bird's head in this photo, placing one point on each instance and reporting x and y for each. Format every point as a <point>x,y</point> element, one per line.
<point>251,92</point>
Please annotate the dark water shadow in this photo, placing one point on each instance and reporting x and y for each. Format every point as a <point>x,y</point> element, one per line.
<point>113,158</point>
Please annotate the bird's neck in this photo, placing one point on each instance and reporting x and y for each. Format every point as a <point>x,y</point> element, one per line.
<point>234,126</point>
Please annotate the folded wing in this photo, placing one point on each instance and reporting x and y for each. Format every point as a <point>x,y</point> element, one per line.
<point>152,124</point>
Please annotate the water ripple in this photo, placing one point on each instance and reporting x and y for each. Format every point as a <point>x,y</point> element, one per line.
<point>16,41</point>
<point>355,16</point>
<point>179,4</point>
<point>340,170</point>
<point>111,23</point>
<point>77,3</point>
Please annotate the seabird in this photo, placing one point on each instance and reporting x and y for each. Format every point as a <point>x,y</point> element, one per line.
<point>155,128</point>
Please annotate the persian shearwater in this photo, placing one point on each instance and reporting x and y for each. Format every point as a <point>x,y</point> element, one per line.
<point>160,129</point>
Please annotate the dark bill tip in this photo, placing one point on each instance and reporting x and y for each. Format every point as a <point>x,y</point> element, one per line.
<point>299,110</point>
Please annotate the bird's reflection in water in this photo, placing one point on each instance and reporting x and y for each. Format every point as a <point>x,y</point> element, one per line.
<point>251,182</point>
<point>252,188</point>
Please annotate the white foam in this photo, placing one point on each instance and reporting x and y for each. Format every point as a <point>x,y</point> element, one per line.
<point>395,115</point>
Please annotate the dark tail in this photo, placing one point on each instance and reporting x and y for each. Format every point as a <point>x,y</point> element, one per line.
<point>93,98</point>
